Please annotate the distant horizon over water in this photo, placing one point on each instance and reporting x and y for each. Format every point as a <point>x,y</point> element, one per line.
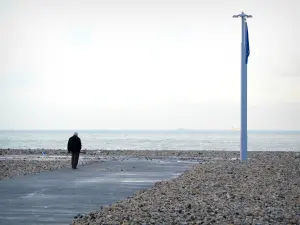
<point>159,139</point>
<point>153,130</point>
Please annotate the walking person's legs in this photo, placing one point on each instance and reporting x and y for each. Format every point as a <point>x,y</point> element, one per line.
<point>76,159</point>
<point>73,159</point>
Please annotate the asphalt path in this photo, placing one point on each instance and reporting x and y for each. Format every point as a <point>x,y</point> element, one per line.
<point>56,197</point>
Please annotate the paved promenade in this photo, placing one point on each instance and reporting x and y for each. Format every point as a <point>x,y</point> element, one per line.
<point>56,197</point>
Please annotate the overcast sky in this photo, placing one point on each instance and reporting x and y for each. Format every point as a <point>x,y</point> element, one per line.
<point>147,64</point>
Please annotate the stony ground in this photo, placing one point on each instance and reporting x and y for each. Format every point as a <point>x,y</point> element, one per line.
<point>220,190</point>
<point>19,162</point>
<point>127,153</point>
<point>13,166</point>
<point>265,190</point>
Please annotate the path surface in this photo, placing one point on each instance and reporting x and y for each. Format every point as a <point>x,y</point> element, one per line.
<point>56,197</point>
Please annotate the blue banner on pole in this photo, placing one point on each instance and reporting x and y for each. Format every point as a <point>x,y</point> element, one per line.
<point>247,47</point>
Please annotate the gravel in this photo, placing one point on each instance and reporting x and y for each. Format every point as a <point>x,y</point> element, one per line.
<point>19,165</point>
<point>151,154</point>
<point>20,162</point>
<point>264,190</point>
<point>220,190</point>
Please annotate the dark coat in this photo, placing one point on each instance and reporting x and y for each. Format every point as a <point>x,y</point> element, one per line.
<point>74,144</point>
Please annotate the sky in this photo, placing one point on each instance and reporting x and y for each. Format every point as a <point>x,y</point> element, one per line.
<point>147,64</point>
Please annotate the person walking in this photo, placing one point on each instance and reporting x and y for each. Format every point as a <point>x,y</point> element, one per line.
<point>74,146</point>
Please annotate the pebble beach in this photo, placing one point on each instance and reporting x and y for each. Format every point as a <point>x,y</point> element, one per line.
<point>265,190</point>
<point>15,163</point>
<point>219,189</point>
<point>20,162</point>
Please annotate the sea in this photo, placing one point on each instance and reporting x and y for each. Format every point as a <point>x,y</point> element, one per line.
<point>183,140</point>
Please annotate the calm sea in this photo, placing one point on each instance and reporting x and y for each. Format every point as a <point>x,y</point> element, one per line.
<point>154,140</point>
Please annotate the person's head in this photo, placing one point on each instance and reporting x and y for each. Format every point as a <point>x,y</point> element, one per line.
<point>76,134</point>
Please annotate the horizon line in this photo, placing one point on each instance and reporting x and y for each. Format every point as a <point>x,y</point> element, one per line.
<point>178,129</point>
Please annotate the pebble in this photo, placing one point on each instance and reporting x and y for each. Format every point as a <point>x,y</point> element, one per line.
<point>10,168</point>
<point>116,154</point>
<point>246,193</point>
<point>265,190</point>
